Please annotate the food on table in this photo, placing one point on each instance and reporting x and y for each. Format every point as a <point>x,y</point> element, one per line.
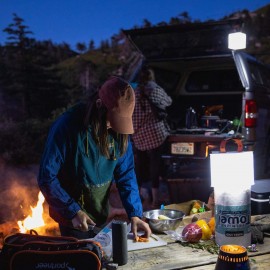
<point>193,211</point>
<point>202,209</point>
<point>163,217</point>
<point>206,231</point>
<point>192,233</point>
<point>212,224</point>
<point>195,208</point>
<point>142,239</point>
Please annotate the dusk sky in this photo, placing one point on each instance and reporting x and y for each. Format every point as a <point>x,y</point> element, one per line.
<point>73,21</point>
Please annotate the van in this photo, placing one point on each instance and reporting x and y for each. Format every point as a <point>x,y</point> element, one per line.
<point>217,94</point>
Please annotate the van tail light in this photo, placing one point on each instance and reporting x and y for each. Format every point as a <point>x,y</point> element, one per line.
<point>250,113</point>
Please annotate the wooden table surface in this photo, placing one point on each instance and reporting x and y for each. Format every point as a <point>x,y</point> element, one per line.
<point>175,256</point>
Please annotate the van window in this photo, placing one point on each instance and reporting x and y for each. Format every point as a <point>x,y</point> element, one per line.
<point>167,79</point>
<point>213,81</point>
<point>260,75</point>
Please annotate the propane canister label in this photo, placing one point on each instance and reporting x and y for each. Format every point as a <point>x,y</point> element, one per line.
<point>232,221</point>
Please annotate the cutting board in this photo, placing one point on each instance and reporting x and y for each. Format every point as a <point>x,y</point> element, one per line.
<point>154,241</point>
<point>104,237</point>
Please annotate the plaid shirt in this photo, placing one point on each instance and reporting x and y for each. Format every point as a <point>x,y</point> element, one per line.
<point>149,132</point>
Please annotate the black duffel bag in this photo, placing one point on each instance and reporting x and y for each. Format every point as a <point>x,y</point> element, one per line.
<point>31,252</point>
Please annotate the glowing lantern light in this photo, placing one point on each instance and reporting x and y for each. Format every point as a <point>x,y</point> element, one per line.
<point>237,41</point>
<point>232,175</point>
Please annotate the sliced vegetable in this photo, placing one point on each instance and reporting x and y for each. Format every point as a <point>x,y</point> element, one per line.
<point>163,217</point>
<point>212,224</point>
<point>141,239</point>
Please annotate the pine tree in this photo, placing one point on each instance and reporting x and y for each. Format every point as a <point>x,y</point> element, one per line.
<point>81,47</point>
<point>31,89</point>
<point>91,45</point>
<point>18,65</point>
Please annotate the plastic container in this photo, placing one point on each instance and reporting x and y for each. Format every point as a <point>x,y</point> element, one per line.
<point>260,197</point>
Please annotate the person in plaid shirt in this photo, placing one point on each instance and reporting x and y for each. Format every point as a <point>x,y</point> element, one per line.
<point>150,133</point>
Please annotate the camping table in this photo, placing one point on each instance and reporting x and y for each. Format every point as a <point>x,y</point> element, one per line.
<point>175,256</point>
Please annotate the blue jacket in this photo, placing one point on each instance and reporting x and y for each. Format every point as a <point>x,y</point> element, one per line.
<point>73,175</point>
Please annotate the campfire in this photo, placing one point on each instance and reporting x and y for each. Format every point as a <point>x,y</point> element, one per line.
<point>34,220</point>
<point>37,220</point>
<point>23,208</point>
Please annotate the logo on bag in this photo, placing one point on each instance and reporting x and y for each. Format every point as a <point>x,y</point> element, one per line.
<point>63,265</point>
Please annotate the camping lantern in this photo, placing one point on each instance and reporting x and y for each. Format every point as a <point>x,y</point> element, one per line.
<point>232,257</point>
<point>232,175</point>
<point>237,41</point>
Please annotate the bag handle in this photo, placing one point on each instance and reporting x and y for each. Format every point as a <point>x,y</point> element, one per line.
<point>223,143</point>
<point>19,239</point>
<point>58,246</point>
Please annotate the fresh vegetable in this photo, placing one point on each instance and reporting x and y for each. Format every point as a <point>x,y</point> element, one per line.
<point>201,209</point>
<point>212,224</point>
<point>206,231</point>
<point>208,245</point>
<point>163,217</point>
<point>192,233</point>
<point>195,208</point>
<point>196,205</point>
<point>141,239</point>
<point>193,211</point>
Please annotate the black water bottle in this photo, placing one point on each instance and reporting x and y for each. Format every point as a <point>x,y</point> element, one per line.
<point>119,242</point>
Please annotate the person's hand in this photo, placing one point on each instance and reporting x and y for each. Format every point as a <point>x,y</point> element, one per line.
<point>139,225</point>
<point>81,221</point>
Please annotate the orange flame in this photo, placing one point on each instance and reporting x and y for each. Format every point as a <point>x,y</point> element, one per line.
<point>34,220</point>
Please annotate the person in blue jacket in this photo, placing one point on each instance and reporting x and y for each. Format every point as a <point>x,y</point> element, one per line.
<point>88,147</point>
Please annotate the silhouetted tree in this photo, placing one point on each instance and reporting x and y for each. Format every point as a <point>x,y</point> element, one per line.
<point>184,17</point>
<point>30,88</point>
<point>174,20</point>
<point>91,45</point>
<point>18,63</point>
<point>105,46</point>
<point>146,23</point>
<point>18,33</point>
<point>81,47</point>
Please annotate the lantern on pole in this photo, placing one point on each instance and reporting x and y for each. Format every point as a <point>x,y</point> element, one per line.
<point>237,41</point>
<point>232,174</point>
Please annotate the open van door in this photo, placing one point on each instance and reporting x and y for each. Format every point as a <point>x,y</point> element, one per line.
<point>193,63</point>
<point>183,40</point>
<point>255,78</point>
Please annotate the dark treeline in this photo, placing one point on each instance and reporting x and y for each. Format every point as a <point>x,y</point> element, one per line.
<point>40,79</point>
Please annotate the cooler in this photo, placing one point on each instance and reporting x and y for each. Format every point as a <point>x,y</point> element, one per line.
<point>260,197</point>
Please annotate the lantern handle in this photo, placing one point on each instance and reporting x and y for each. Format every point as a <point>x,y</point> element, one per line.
<point>237,141</point>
